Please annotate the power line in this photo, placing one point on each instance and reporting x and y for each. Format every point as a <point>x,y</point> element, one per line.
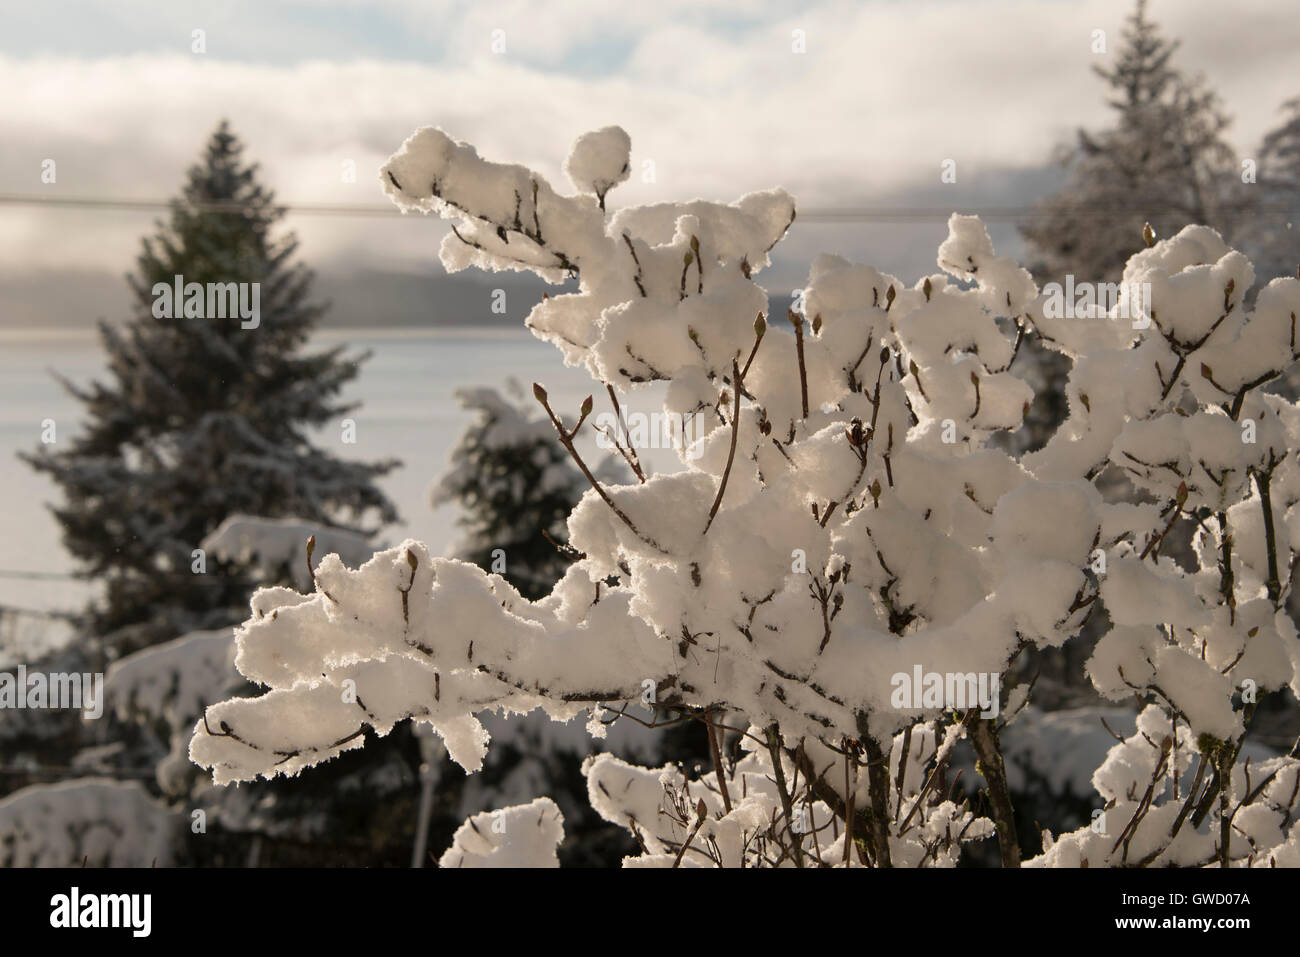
<point>847,214</point>
<point>190,577</point>
<point>91,202</point>
<point>41,576</point>
<point>67,771</point>
<point>38,613</point>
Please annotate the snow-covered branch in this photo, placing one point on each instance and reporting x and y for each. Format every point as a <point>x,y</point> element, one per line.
<point>845,528</point>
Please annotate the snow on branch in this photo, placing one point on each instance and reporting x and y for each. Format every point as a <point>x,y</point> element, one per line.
<point>522,836</point>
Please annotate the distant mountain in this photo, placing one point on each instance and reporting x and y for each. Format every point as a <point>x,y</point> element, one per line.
<point>77,299</point>
<point>381,298</point>
<point>63,299</point>
<point>901,243</point>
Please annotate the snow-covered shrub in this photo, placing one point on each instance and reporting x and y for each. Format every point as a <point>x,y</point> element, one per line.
<point>843,530</point>
<point>515,487</point>
<point>166,687</point>
<point>92,822</point>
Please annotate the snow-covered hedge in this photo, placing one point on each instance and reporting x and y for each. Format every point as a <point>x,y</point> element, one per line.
<point>93,822</point>
<point>845,521</point>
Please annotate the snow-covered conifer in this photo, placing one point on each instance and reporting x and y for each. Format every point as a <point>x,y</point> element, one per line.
<point>205,414</point>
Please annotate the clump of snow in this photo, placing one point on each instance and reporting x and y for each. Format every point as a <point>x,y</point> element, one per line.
<point>599,161</point>
<point>525,835</point>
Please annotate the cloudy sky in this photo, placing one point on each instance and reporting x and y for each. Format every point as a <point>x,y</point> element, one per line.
<point>714,95</point>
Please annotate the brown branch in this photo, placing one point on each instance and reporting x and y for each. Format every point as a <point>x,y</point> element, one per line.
<point>700,816</point>
<point>629,454</point>
<point>311,547</point>
<point>878,790</point>
<point>850,798</point>
<point>796,320</point>
<point>637,278</point>
<point>760,327</point>
<point>1179,501</point>
<point>787,805</point>
<point>566,439</point>
<point>718,768</point>
<point>985,740</point>
<point>731,454</point>
<point>1273,583</point>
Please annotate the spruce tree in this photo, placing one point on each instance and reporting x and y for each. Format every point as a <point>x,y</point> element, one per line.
<point>1274,238</point>
<point>204,417</point>
<point>515,486</point>
<point>1164,162</point>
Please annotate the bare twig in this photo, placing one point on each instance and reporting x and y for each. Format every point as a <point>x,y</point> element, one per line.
<point>796,320</point>
<point>984,738</point>
<point>628,453</point>
<point>566,439</point>
<point>731,454</point>
<point>718,769</point>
